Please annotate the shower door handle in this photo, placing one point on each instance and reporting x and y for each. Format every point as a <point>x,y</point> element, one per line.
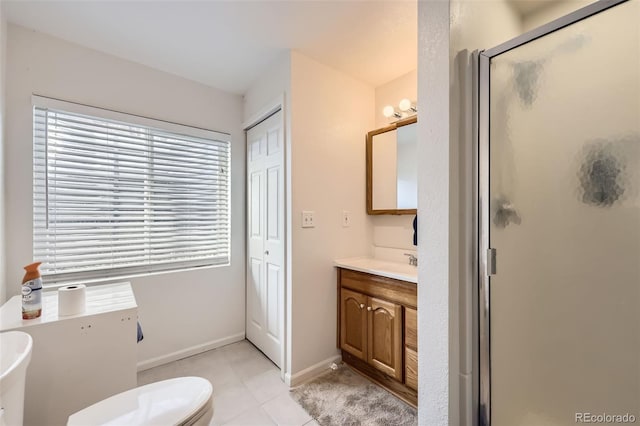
<point>491,262</point>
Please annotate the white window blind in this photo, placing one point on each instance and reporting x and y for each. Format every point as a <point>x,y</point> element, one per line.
<point>113,197</point>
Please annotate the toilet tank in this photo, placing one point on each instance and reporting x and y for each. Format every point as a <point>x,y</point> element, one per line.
<point>77,360</point>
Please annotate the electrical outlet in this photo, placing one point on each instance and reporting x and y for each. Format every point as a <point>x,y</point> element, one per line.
<point>308,220</point>
<point>346,219</point>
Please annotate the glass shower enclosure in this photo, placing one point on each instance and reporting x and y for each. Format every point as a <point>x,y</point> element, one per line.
<point>559,222</point>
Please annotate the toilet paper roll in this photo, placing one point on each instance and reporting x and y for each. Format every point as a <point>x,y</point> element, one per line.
<point>71,300</point>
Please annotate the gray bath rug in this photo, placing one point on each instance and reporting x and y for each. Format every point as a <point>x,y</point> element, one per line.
<point>343,397</point>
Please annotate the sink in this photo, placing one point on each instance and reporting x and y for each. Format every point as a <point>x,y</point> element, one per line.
<point>398,271</point>
<point>15,355</point>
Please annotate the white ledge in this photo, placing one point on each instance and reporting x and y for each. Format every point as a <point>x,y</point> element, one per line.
<point>100,299</point>
<point>398,271</point>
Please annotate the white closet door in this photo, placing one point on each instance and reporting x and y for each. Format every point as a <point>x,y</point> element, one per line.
<point>265,229</point>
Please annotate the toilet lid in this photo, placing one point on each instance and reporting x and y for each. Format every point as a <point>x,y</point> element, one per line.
<point>169,402</point>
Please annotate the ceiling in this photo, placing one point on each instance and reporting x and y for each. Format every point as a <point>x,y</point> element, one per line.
<point>228,44</point>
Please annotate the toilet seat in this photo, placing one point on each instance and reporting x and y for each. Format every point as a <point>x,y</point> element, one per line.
<point>180,401</point>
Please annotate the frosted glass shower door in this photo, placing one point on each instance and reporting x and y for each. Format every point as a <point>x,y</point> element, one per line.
<point>564,219</point>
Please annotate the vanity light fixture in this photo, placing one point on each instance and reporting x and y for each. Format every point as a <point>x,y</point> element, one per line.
<point>405,106</point>
<point>390,111</point>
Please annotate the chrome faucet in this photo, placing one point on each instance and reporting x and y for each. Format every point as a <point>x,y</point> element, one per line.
<point>412,259</point>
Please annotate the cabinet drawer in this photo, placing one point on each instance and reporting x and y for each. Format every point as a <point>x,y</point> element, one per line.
<point>402,292</point>
<point>411,328</point>
<point>411,368</point>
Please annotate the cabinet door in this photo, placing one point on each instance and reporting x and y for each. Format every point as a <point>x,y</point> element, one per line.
<point>353,323</point>
<point>411,328</point>
<point>411,368</point>
<point>385,337</point>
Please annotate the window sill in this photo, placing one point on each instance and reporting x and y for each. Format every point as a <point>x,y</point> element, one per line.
<point>119,278</point>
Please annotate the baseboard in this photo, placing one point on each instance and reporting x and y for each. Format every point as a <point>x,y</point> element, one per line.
<point>193,350</point>
<point>309,373</point>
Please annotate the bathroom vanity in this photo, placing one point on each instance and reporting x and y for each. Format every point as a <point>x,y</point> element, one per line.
<point>377,322</point>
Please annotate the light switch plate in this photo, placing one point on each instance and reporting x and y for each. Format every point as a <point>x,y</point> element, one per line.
<point>346,219</point>
<point>308,219</point>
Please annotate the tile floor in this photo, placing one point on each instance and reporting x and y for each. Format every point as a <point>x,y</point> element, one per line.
<point>247,389</point>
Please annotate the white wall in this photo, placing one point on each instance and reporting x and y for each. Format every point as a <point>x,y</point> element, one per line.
<point>475,24</point>
<point>554,10</point>
<point>392,92</point>
<point>331,113</point>
<point>3,41</point>
<point>181,311</point>
<point>327,116</point>
<point>275,84</point>
<point>393,235</point>
<point>448,31</point>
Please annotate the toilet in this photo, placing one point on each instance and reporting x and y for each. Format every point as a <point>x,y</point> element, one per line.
<point>181,401</point>
<point>15,356</point>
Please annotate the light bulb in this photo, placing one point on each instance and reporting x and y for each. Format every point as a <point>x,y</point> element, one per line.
<point>388,111</point>
<point>404,104</point>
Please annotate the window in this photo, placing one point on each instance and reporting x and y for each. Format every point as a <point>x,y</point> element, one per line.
<point>116,195</point>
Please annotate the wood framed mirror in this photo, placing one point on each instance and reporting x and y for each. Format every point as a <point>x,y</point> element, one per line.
<point>392,168</point>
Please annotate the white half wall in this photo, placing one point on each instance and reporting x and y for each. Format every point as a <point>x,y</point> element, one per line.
<point>448,32</point>
<point>180,312</point>
<point>331,113</point>
<point>474,25</point>
<point>3,49</point>
<point>434,198</point>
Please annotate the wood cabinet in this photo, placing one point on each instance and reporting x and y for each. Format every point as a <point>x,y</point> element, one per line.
<point>371,330</point>
<point>377,329</point>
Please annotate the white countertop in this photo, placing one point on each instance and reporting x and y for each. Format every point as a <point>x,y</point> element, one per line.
<point>395,270</point>
<point>100,299</point>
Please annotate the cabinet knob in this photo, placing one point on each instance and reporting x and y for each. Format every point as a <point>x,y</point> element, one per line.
<point>361,305</point>
<point>368,308</point>
<point>266,252</point>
